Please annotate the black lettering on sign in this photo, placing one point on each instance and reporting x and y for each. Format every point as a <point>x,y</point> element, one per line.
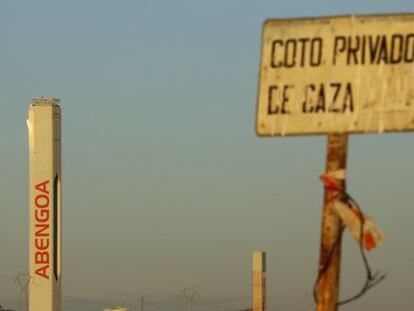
<point>339,47</point>
<point>303,42</point>
<point>336,87</point>
<point>320,103</point>
<point>316,51</point>
<point>353,48</point>
<point>295,52</point>
<point>272,108</point>
<point>278,99</point>
<point>307,105</point>
<point>332,97</point>
<point>383,53</point>
<point>274,62</point>
<point>348,99</point>
<point>409,48</point>
<point>285,97</point>
<point>347,50</point>
<point>363,44</point>
<point>290,53</point>
<point>373,49</point>
<point>396,49</point>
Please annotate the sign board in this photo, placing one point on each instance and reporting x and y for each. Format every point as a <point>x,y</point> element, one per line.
<point>350,74</point>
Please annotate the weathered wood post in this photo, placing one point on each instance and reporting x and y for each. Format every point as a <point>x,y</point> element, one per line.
<point>330,252</point>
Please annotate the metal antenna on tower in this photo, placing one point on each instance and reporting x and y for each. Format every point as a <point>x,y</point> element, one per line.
<point>22,281</point>
<point>189,293</point>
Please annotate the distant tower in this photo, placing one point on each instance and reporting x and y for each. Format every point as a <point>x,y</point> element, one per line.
<point>259,281</point>
<point>44,123</point>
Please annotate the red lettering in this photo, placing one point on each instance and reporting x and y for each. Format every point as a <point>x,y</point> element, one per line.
<point>42,215</point>
<point>43,187</point>
<point>41,231</point>
<point>45,201</point>
<point>42,271</point>
<point>42,244</point>
<point>41,258</point>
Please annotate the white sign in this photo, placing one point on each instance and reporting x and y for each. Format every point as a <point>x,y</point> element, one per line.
<point>351,74</point>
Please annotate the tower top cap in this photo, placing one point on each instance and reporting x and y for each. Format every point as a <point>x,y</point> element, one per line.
<point>45,101</point>
<point>259,261</point>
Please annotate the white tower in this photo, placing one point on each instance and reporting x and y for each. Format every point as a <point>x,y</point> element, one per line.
<point>44,123</point>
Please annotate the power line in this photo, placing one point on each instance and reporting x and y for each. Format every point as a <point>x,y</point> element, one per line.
<point>189,293</point>
<point>22,281</point>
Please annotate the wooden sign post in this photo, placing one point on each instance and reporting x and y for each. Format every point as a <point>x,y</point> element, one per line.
<point>336,76</point>
<point>330,258</point>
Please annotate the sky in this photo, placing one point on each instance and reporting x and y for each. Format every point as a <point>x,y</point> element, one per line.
<point>165,183</point>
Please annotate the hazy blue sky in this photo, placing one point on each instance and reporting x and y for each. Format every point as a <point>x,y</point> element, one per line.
<point>165,184</point>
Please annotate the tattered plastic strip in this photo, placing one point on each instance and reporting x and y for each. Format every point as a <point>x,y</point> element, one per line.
<point>350,214</point>
<point>330,180</point>
<point>354,219</point>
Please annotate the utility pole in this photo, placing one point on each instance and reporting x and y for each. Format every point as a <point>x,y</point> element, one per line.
<point>189,293</point>
<point>330,253</point>
<point>142,303</point>
<point>22,281</point>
